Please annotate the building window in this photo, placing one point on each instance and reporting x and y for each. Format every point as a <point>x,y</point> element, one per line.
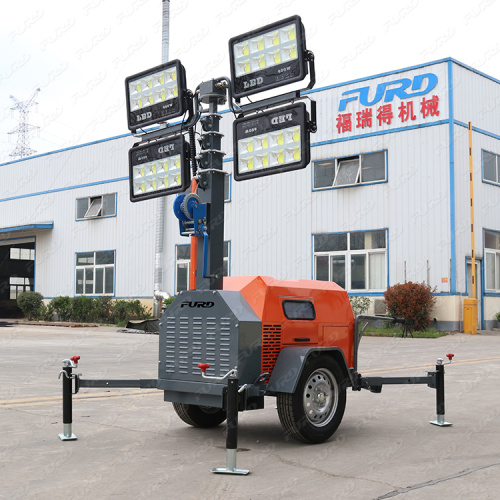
<point>356,261</point>
<point>95,207</point>
<point>350,170</point>
<point>491,167</point>
<point>183,265</point>
<point>227,188</point>
<point>22,253</point>
<point>95,273</point>
<point>492,257</point>
<point>19,285</point>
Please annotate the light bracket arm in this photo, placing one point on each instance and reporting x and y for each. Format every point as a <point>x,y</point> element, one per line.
<point>192,120</point>
<point>280,99</point>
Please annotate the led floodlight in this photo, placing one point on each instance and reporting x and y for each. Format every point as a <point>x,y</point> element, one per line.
<point>269,57</point>
<point>272,142</point>
<point>159,168</point>
<point>156,95</point>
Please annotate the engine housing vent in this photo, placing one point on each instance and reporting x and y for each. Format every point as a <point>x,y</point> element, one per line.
<point>271,347</point>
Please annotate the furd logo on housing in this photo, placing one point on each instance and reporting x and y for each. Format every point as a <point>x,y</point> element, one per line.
<point>404,88</point>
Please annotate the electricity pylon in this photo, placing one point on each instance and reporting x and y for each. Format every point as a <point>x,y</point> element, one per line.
<point>23,129</point>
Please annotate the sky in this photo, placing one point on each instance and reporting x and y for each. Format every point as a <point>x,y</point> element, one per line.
<point>79,53</point>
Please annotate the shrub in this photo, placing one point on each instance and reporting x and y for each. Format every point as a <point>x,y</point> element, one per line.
<point>498,316</point>
<point>62,307</point>
<point>93,310</point>
<point>359,305</point>
<point>411,301</point>
<point>103,308</point>
<point>82,309</point>
<point>30,304</point>
<point>123,310</point>
<point>167,302</point>
<point>46,312</point>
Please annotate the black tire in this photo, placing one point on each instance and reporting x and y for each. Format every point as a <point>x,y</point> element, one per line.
<point>200,416</point>
<point>314,411</point>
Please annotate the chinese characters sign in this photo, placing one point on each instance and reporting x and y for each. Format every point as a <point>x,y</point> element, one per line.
<point>387,103</point>
<point>385,114</point>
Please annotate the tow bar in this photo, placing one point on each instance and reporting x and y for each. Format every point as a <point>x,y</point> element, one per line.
<point>434,379</point>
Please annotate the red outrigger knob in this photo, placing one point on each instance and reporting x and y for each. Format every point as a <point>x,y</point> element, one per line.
<point>75,359</point>
<point>203,367</point>
<point>450,356</point>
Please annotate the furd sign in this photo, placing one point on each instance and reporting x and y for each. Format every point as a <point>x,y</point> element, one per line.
<point>388,90</point>
<point>413,98</point>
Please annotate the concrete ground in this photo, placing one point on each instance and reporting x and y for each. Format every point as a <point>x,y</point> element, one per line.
<point>131,445</point>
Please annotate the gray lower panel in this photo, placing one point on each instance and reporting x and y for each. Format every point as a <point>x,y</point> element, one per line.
<point>446,326</point>
<point>490,324</point>
<point>194,393</point>
<point>193,399</point>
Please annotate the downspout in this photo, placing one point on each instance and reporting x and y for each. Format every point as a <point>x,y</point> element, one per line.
<point>160,203</point>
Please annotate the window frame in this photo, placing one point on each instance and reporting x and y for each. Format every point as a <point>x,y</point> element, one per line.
<point>94,267</point>
<point>93,201</point>
<point>227,199</point>
<point>95,208</point>
<point>495,252</point>
<point>348,255</point>
<point>30,250</point>
<point>497,169</point>
<point>337,160</point>
<point>27,285</point>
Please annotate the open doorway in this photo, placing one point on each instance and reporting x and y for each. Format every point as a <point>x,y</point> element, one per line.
<point>17,274</point>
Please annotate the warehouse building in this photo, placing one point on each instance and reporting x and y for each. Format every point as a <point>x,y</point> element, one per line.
<point>385,199</point>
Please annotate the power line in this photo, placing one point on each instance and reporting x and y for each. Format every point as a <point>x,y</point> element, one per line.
<point>22,148</point>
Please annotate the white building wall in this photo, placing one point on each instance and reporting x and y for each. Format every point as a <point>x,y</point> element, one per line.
<point>270,221</point>
<point>476,98</point>
<point>417,188</point>
<point>49,187</point>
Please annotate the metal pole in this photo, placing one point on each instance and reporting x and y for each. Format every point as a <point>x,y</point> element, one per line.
<point>67,392</point>
<point>211,188</point>
<point>470,305</point>
<point>232,431</point>
<point>440,396</point>
<point>193,249</point>
<point>161,201</point>
<point>471,174</point>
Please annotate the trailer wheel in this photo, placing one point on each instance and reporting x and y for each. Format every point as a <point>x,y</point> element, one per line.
<point>314,411</point>
<point>200,416</point>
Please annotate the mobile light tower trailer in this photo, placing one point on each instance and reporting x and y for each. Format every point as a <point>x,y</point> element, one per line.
<point>231,341</point>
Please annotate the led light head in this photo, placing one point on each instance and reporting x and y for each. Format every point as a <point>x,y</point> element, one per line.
<point>156,95</point>
<point>271,142</point>
<point>269,57</point>
<point>159,168</point>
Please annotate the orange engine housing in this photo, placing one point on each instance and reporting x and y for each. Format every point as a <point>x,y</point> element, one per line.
<point>332,325</point>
